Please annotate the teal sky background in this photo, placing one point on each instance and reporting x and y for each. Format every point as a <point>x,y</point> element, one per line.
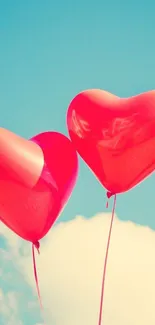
<point>50,51</point>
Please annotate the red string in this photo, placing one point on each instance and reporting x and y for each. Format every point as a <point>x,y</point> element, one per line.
<point>105,262</point>
<point>37,246</point>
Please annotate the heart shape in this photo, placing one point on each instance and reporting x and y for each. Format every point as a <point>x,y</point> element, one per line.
<point>37,177</point>
<point>114,136</point>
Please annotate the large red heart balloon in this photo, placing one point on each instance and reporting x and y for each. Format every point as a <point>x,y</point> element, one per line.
<point>115,136</point>
<point>37,177</point>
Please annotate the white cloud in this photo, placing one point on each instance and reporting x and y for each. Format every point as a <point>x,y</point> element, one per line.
<point>8,309</point>
<point>14,292</point>
<point>70,270</point>
<point>12,301</point>
<point>4,310</point>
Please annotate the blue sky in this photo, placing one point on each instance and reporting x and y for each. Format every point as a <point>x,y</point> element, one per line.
<point>50,51</point>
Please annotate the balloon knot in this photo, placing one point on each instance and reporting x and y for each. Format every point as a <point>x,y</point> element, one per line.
<point>110,194</point>
<point>37,246</point>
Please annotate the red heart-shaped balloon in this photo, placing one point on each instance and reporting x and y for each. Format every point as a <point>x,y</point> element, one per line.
<point>36,181</point>
<point>114,136</point>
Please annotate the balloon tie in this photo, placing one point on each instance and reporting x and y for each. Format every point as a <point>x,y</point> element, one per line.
<point>109,195</point>
<point>105,261</point>
<point>37,246</point>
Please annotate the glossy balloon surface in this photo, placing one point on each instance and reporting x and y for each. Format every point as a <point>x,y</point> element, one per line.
<point>115,136</point>
<point>37,177</point>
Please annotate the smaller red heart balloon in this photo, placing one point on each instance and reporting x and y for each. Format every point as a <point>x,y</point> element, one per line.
<point>114,136</point>
<point>37,177</point>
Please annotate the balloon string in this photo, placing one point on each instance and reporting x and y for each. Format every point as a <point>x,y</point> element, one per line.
<point>105,263</point>
<point>35,273</point>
